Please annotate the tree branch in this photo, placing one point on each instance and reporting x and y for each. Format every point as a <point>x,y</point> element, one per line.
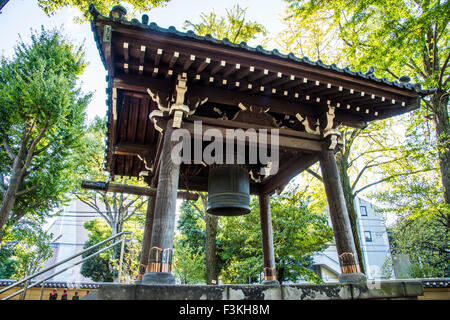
<point>95,207</point>
<point>33,146</point>
<point>315,174</point>
<point>21,193</point>
<point>444,66</point>
<point>388,178</point>
<point>391,73</point>
<point>8,150</point>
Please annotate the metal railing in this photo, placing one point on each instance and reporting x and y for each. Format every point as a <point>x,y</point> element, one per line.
<point>26,280</point>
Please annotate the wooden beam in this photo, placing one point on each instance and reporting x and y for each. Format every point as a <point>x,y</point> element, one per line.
<point>142,55</point>
<point>246,125</point>
<point>126,52</point>
<point>173,59</point>
<point>133,149</point>
<point>165,206</point>
<point>141,191</point>
<point>258,75</point>
<point>203,65</point>
<point>244,72</point>
<point>286,142</point>
<point>220,65</point>
<point>288,171</point>
<point>231,69</point>
<point>348,257</point>
<point>223,96</point>
<point>271,77</point>
<point>267,239</point>
<point>158,56</point>
<point>188,62</point>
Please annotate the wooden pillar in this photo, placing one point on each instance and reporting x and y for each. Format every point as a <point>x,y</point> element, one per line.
<point>270,275</point>
<point>160,260</point>
<point>146,241</point>
<point>348,259</point>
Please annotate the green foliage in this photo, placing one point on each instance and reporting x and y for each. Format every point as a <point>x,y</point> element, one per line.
<point>188,262</point>
<point>189,246</point>
<point>26,249</point>
<point>97,268</point>
<point>42,112</point>
<point>297,234</point>
<point>233,26</point>
<point>426,242</point>
<point>50,7</point>
<point>191,226</point>
<point>104,267</point>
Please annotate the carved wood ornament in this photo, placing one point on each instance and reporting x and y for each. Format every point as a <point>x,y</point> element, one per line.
<point>176,107</point>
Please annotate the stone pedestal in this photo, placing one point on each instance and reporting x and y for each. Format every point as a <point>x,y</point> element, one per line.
<point>329,291</point>
<point>158,278</point>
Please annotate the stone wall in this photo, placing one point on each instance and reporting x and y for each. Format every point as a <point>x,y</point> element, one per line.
<point>335,291</point>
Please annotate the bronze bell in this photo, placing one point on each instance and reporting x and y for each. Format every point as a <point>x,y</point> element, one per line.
<point>228,190</point>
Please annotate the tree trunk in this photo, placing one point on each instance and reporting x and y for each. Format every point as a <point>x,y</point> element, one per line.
<point>9,196</point>
<point>342,164</point>
<point>212,270</point>
<point>440,106</point>
<point>280,273</point>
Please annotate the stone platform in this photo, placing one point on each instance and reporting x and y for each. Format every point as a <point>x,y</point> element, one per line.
<point>332,291</point>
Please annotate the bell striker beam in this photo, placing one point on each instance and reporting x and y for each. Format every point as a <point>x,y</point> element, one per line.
<point>348,258</point>
<point>270,275</point>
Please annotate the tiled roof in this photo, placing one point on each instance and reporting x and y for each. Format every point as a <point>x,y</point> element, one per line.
<point>56,284</point>
<point>436,283</point>
<point>404,84</point>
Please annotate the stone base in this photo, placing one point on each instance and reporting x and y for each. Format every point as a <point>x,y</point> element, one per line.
<point>352,278</point>
<point>270,283</point>
<point>158,278</point>
<point>330,291</point>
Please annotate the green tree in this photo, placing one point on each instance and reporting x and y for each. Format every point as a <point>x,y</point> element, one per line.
<point>105,266</point>
<point>425,241</point>
<point>234,26</point>
<point>298,233</point>
<point>26,249</point>
<point>191,226</point>
<point>50,7</point>
<point>188,263</point>
<point>399,37</point>
<point>421,230</point>
<point>190,244</point>
<point>42,115</point>
<point>99,267</point>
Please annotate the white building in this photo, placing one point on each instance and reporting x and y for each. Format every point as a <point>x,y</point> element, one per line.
<point>70,235</point>
<point>374,245</point>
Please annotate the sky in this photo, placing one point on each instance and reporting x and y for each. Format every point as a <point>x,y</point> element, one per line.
<point>18,17</point>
